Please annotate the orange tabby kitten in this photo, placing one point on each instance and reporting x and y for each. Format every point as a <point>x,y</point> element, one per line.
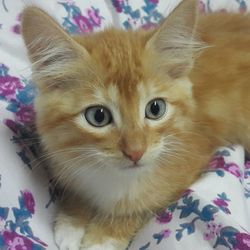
<point>130,118</point>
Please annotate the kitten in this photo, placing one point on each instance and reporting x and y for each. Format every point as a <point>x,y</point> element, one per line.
<point>129,119</point>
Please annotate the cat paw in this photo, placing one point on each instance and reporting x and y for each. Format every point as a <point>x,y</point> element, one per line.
<point>107,245</point>
<point>67,236</point>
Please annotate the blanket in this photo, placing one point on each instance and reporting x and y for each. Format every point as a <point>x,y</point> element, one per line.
<point>214,213</point>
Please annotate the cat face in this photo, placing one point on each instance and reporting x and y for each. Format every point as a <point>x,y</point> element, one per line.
<point>113,100</point>
<point>123,117</point>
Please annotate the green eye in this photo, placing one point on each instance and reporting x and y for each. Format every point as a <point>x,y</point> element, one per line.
<point>98,116</point>
<point>155,109</point>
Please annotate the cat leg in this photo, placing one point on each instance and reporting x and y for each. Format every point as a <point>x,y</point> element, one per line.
<point>108,244</point>
<point>70,229</point>
<point>113,234</point>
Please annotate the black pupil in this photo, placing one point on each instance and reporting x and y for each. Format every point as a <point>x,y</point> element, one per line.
<point>155,108</point>
<point>99,115</point>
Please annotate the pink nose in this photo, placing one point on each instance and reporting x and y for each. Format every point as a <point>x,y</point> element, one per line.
<point>134,156</point>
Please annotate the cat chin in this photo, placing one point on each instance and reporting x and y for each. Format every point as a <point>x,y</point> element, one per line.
<point>138,168</point>
<point>133,166</point>
<point>110,184</point>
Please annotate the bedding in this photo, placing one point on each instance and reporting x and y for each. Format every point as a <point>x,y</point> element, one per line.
<point>214,213</point>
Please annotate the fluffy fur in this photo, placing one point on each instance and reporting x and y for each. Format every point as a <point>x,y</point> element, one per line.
<point>201,69</point>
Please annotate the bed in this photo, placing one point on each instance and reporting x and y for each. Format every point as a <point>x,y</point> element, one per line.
<point>214,213</point>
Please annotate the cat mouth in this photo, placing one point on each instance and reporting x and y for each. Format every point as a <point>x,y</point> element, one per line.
<point>135,165</point>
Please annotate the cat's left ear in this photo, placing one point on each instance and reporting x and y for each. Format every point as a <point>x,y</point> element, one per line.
<point>53,53</point>
<point>174,41</point>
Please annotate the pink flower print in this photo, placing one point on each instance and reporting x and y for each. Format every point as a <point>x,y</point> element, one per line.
<point>247,170</point>
<point>11,125</point>
<point>233,169</point>
<point>222,204</point>
<point>202,7</point>
<point>17,28</point>
<point>154,1</point>
<point>8,86</point>
<point>243,241</point>
<point>83,23</point>
<point>25,114</point>
<point>148,26</point>
<point>208,236</point>
<point>15,241</point>
<point>162,235</point>
<point>247,164</point>
<point>93,15</point>
<point>118,5</point>
<point>187,192</point>
<point>29,201</point>
<point>164,218</point>
<point>243,6</point>
<point>213,230</point>
<point>217,162</point>
<point>166,233</point>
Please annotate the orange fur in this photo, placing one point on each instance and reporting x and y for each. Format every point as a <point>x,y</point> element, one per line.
<point>123,69</point>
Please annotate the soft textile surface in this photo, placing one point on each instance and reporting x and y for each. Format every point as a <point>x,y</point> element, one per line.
<point>213,213</point>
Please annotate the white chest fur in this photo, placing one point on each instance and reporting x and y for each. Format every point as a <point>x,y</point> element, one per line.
<point>105,187</point>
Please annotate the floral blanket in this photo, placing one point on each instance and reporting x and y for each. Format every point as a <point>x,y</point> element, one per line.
<point>214,213</point>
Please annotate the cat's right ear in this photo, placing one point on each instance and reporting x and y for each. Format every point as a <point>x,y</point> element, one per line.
<point>175,40</point>
<point>52,52</point>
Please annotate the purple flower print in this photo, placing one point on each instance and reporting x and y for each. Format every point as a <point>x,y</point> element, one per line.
<point>234,169</point>
<point>243,241</point>
<point>247,164</point>
<point>76,22</point>
<point>164,218</point>
<point>29,201</point>
<point>202,7</point>
<point>93,14</point>
<point>187,192</point>
<point>162,235</point>
<point>243,6</point>
<point>213,230</point>
<point>148,26</point>
<point>166,233</point>
<point>118,5</point>
<point>25,114</point>
<point>222,202</point>
<point>8,86</point>
<point>17,28</point>
<point>247,170</point>
<point>217,162</point>
<point>16,232</point>
<point>11,125</point>
<point>83,23</point>
<point>154,1</point>
<point>15,241</point>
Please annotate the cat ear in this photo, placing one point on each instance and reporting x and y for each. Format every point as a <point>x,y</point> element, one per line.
<point>52,52</point>
<point>174,41</point>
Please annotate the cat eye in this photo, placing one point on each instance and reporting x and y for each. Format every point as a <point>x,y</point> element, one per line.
<point>98,116</point>
<point>155,109</point>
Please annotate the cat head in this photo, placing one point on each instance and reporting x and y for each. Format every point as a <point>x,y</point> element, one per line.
<point>115,99</point>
